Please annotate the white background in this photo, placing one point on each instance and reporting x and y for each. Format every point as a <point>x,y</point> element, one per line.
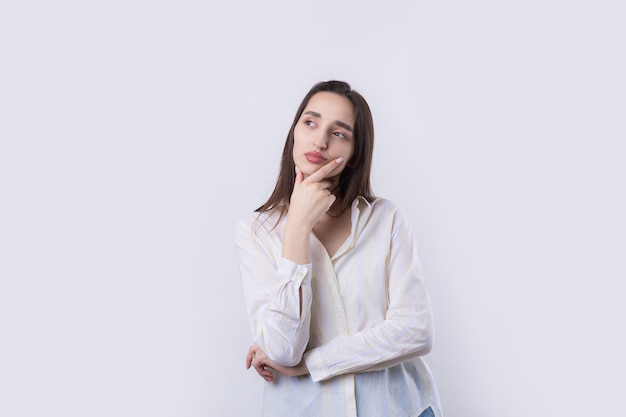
<point>134,134</point>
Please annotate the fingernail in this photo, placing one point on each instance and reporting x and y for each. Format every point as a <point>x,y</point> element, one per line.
<point>339,160</point>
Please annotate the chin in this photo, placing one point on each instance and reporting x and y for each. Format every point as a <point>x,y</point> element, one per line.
<point>306,168</point>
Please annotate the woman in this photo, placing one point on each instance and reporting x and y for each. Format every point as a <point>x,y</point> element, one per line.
<point>335,294</point>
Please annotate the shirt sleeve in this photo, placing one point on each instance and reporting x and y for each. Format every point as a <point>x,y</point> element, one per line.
<point>406,331</point>
<point>272,287</point>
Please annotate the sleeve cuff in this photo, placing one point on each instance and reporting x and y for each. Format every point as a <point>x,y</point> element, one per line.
<point>315,365</point>
<point>292,271</point>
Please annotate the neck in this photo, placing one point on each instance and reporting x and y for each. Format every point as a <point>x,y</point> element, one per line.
<point>337,209</point>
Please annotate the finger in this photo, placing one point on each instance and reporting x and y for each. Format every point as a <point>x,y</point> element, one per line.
<point>250,355</point>
<point>268,375</point>
<point>321,173</point>
<point>264,373</point>
<point>299,176</point>
<point>325,184</point>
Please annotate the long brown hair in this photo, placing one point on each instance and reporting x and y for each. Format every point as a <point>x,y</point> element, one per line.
<point>354,180</point>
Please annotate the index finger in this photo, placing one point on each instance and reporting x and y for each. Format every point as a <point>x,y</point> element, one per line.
<point>321,173</point>
<point>250,355</point>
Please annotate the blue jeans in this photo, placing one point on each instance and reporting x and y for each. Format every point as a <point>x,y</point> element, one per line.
<point>427,413</point>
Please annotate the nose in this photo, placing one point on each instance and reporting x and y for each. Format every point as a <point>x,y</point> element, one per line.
<point>321,141</point>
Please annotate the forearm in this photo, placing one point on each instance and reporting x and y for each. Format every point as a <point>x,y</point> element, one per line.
<point>281,325</point>
<point>388,344</point>
<point>278,295</point>
<point>297,242</point>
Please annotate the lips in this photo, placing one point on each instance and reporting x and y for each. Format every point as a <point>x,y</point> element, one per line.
<point>314,157</point>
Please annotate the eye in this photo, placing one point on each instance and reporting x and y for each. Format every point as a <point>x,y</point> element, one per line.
<point>309,123</point>
<point>340,135</point>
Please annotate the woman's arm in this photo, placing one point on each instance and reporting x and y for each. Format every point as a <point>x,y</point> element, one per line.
<point>278,288</point>
<point>277,293</point>
<point>406,331</point>
<point>265,367</point>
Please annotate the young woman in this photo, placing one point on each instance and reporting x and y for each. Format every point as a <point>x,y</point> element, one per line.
<point>338,308</point>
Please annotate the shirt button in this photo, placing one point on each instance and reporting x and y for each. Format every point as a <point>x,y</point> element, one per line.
<point>301,274</point>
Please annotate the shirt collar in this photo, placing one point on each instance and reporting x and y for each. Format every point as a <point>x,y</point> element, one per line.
<point>361,202</point>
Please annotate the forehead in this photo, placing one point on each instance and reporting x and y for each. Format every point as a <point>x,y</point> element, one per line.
<point>332,106</point>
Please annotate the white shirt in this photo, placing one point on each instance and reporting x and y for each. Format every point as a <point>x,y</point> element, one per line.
<point>365,324</point>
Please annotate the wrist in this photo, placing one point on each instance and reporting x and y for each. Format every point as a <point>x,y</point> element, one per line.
<point>300,369</point>
<point>295,226</point>
<point>296,243</point>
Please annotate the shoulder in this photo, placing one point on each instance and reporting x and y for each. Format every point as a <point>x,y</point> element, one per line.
<point>384,207</point>
<point>386,213</point>
<point>383,203</point>
<point>257,224</point>
<point>247,220</point>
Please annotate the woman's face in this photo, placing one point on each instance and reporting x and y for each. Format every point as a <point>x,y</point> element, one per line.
<point>323,133</point>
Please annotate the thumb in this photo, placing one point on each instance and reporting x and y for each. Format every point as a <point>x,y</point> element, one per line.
<point>299,176</point>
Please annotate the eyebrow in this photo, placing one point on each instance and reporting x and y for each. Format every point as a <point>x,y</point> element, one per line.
<point>337,122</point>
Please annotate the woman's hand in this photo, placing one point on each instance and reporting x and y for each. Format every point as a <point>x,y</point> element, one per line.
<point>310,199</point>
<point>312,196</point>
<point>264,365</point>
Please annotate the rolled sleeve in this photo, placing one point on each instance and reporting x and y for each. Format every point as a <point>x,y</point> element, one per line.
<point>278,297</point>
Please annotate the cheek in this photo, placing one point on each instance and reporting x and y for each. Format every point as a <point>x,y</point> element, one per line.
<point>348,151</point>
<point>350,158</point>
<point>295,142</point>
<point>297,139</point>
